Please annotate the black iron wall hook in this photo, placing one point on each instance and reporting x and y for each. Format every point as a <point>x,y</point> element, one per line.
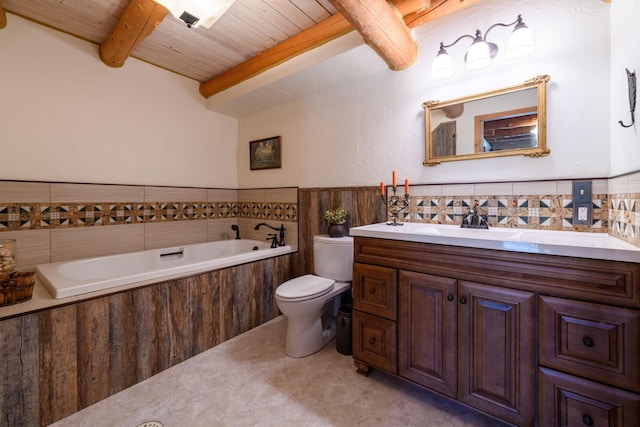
<point>631,80</point>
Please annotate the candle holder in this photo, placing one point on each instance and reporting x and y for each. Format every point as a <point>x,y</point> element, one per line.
<point>394,205</point>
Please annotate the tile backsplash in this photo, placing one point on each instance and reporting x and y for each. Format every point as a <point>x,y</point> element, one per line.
<point>56,222</point>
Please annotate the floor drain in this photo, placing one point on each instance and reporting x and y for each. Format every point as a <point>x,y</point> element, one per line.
<point>150,424</point>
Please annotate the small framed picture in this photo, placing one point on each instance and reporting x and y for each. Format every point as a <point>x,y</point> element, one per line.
<point>265,153</point>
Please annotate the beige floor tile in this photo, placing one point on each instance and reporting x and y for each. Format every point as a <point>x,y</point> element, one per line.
<point>248,381</point>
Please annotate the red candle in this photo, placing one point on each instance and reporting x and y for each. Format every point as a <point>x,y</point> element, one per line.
<point>382,189</point>
<point>393,179</point>
<point>406,186</point>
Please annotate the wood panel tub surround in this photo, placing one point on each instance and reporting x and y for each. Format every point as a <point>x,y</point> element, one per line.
<point>60,360</point>
<point>477,325</point>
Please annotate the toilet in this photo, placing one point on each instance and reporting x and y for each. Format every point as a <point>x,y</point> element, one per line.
<point>311,302</point>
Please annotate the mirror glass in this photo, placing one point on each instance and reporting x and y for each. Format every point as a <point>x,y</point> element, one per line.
<point>504,122</point>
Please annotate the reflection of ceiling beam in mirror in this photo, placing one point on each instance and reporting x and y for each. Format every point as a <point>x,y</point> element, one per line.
<point>506,130</point>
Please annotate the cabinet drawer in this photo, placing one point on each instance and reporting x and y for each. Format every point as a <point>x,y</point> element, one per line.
<point>375,290</point>
<point>566,400</point>
<point>374,341</point>
<point>591,340</point>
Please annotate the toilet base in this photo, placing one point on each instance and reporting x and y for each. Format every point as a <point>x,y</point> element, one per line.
<point>305,338</point>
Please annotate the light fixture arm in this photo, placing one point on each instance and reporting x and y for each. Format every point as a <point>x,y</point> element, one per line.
<point>481,52</point>
<point>499,24</point>
<point>444,46</point>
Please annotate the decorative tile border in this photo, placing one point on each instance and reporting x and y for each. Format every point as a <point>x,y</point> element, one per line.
<point>624,217</point>
<point>552,212</point>
<point>31,216</point>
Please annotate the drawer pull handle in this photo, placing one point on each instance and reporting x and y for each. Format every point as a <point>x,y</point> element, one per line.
<point>463,300</point>
<point>450,297</point>
<point>372,291</point>
<point>372,341</point>
<point>587,420</point>
<point>587,342</point>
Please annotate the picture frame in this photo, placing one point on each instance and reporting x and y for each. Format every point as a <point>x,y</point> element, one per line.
<point>265,153</point>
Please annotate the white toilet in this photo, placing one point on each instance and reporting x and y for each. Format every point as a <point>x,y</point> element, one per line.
<point>311,302</point>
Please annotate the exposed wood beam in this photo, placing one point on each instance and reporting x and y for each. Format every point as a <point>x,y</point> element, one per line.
<point>381,26</point>
<point>406,7</point>
<point>317,35</point>
<point>437,9</point>
<point>138,20</point>
<point>314,36</point>
<point>3,17</point>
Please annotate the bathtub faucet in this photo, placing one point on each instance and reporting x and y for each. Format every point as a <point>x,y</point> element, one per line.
<point>235,228</point>
<point>274,237</point>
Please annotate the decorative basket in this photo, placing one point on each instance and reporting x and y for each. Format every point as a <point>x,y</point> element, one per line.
<point>16,287</point>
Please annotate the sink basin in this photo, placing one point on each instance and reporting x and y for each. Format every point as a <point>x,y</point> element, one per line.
<point>562,243</point>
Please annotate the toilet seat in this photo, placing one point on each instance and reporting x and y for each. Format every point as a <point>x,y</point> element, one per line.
<point>304,287</point>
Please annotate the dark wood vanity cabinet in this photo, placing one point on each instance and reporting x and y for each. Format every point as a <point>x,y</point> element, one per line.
<point>507,333</point>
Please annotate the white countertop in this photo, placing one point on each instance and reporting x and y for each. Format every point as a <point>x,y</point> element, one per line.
<point>562,243</point>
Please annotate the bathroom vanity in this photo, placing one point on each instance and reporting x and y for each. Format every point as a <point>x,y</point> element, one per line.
<point>532,327</point>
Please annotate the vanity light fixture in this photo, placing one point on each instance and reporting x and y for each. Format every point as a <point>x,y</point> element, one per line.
<point>197,12</point>
<point>481,52</point>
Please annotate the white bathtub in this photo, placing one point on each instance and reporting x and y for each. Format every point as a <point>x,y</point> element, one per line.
<point>69,278</point>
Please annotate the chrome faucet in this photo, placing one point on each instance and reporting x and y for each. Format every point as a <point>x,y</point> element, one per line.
<point>272,236</point>
<point>474,220</point>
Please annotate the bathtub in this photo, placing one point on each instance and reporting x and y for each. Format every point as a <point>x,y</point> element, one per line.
<point>69,278</point>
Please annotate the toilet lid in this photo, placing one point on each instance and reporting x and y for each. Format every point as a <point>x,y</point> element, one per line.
<point>307,286</point>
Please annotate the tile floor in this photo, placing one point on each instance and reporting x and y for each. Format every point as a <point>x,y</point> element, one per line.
<point>248,381</point>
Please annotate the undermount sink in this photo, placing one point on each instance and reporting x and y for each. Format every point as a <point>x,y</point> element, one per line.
<point>562,243</point>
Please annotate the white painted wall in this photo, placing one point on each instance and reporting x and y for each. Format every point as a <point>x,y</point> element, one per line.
<point>625,53</point>
<point>65,116</point>
<point>355,134</point>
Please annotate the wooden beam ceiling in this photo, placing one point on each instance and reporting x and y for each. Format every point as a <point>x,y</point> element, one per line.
<point>138,20</point>
<point>380,23</point>
<point>415,12</point>
<point>304,41</point>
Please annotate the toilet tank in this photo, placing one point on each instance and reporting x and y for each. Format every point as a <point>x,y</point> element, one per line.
<point>333,257</point>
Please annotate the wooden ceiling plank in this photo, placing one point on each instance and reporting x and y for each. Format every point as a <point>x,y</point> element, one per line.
<point>315,10</point>
<point>290,12</point>
<point>314,36</point>
<point>382,28</point>
<point>138,20</point>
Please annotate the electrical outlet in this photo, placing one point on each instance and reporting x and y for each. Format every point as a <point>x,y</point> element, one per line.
<point>583,213</point>
<point>582,204</point>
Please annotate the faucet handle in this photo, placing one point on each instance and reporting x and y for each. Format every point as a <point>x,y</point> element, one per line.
<point>274,239</point>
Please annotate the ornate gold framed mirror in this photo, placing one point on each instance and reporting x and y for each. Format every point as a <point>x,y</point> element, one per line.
<point>504,122</point>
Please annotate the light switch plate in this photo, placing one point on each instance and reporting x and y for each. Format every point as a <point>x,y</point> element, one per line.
<point>582,204</point>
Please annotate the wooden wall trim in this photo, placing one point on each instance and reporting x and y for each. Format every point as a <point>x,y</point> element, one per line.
<point>60,360</point>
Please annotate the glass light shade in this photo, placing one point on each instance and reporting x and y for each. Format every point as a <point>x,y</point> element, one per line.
<point>478,56</point>
<point>442,66</point>
<point>207,11</point>
<point>520,42</point>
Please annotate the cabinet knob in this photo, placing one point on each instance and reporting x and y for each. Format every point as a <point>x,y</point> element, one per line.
<point>587,341</point>
<point>463,300</point>
<point>587,420</point>
<point>372,341</point>
<point>450,297</point>
<point>372,291</point>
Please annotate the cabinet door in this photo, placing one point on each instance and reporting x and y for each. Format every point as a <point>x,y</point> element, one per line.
<point>566,400</point>
<point>496,351</point>
<point>427,330</point>
<point>374,290</point>
<point>375,341</point>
